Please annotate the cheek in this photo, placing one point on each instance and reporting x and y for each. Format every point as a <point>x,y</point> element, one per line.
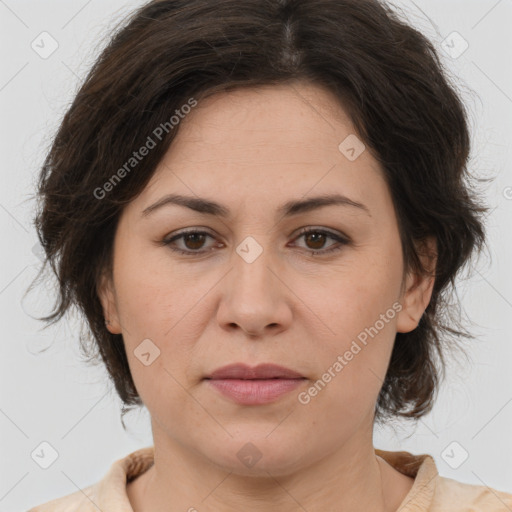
<point>358,309</point>
<point>147,291</point>
<point>160,317</point>
<point>350,377</point>
<point>359,294</point>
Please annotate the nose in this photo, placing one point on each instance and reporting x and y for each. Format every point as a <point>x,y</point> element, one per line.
<point>255,298</point>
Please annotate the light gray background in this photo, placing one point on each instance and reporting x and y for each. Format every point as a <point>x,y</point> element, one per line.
<point>52,396</point>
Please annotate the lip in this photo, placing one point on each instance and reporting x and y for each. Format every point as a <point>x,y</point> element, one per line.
<point>257,385</point>
<point>261,371</point>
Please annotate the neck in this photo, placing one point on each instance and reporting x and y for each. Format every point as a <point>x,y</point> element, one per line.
<point>351,478</point>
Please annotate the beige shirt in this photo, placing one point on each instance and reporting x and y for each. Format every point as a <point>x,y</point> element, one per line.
<point>430,492</point>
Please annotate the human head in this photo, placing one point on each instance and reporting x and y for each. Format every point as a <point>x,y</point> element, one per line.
<point>387,78</point>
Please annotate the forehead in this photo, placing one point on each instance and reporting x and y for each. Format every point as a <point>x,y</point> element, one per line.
<point>250,118</point>
<point>262,143</point>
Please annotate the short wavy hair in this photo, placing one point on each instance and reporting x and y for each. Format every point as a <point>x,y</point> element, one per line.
<point>387,76</point>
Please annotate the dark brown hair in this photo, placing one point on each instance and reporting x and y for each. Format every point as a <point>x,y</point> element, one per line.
<point>387,76</point>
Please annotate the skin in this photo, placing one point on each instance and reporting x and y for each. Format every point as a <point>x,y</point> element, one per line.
<point>252,150</point>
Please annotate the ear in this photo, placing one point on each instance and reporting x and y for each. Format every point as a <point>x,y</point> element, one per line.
<point>418,288</point>
<point>108,300</point>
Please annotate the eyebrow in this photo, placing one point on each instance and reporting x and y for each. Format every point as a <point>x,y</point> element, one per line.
<point>288,209</point>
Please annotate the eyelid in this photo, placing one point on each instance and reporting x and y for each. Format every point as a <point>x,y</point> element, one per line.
<point>338,237</point>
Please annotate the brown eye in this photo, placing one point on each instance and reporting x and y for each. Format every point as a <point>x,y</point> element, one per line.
<point>315,240</point>
<point>193,241</point>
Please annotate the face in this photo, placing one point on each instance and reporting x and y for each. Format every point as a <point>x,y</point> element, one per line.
<point>249,286</point>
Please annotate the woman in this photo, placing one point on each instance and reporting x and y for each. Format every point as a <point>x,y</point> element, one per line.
<point>259,207</point>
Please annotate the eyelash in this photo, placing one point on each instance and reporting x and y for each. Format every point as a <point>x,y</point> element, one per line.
<point>305,231</point>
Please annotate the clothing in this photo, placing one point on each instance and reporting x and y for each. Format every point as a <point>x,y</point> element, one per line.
<point>430,492</point>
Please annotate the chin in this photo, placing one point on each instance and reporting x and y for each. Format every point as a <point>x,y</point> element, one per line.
<point>254,452</point>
